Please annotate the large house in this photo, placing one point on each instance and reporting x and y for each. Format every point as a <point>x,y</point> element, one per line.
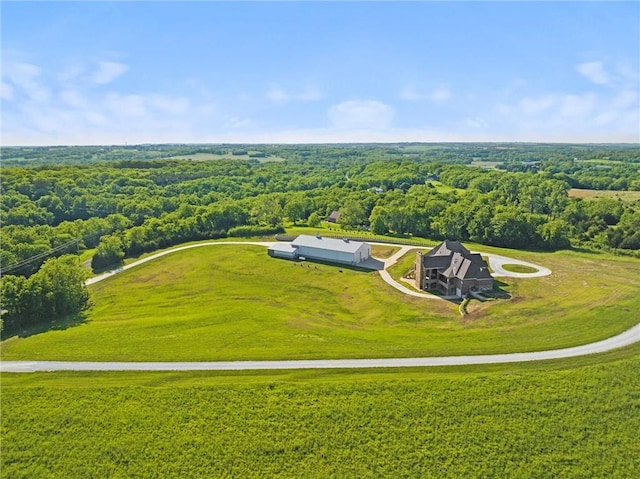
<point>319,248</point>
<point>452,269</point>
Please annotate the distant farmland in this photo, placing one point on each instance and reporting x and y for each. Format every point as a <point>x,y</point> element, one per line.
<point>622,195</point>
<point>229,156</point>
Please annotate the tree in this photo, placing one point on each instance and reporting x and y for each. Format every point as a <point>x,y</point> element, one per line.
<point>62,282</point>
<point>297,208</point>
<point>57,290</point>
<point>554,234</point>
<point>352,214</point>
<point>511,228</point>
<point>377,220</point>
<point>12,304</point>
<point>267,211</point>
<point>314,220</point>
<point>110,252</point>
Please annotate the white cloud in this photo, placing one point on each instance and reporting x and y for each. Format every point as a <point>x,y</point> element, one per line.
<point>70,73</point>
<point>20,72</point>
<point>625,99</point>
<point>95,118</point>
<point>6,91</point>
<point>439,95</point>
<point>309,94</point>
<point>355,114</point>
<point>504,109</point>
<point>126,105</point>
<point>577,105</point>
<point>594,72</point>
<point>534,106</point>
<point>238,122</point>
<point>278,94</point>
<point>25,76</point>
<point>73,98</point>
<point>108,71</point>
<point>476,122</point>
<point>174,106</point>
<point>605,118</point>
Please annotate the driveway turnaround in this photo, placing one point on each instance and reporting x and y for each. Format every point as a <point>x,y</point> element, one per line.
<point>626,338</point>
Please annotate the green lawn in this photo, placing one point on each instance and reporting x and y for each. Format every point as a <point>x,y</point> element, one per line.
<point>236,303</point>
<point>442,188</point>
<point>572,419</point>
<point>519,268</point>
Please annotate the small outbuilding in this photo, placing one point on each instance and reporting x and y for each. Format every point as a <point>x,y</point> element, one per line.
<point>333,217</point>
<point>332,250</point>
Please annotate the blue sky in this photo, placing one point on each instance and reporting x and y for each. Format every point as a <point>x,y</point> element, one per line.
<point>299,72</point>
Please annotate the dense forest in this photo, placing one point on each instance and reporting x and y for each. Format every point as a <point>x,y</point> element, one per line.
<point>124,201</point>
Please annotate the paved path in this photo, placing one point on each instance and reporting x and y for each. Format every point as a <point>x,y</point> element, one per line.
<point>630,336</point>
<point>393,259</point>
<point>496,262</point>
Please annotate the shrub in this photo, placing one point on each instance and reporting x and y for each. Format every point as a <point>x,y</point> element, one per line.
<point>247,231</point>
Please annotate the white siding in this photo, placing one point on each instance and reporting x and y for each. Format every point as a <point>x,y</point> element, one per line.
<point>326,255</point>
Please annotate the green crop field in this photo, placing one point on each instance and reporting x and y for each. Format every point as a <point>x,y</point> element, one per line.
<point>572,418</point>
<point>235,303</point>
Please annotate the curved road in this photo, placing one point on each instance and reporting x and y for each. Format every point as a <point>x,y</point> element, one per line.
<point>626,338</point>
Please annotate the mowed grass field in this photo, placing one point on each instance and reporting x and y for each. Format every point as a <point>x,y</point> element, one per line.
<point>572,418</point>
<point>229,302</point>
<point>621,195</point>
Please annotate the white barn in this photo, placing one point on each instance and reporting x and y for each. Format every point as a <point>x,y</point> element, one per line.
<point>316,247</point>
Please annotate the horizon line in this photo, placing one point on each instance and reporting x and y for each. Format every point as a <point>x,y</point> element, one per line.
<point>483,142</point>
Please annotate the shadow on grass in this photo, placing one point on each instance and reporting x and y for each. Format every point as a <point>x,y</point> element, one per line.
<point>338,266</point>
<point>367,266</point>
<point>499,290</point>
<point>56,325</point>
<point>110,267</point>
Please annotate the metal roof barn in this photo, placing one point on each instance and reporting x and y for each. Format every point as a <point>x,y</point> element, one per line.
<point>316,247</point>
<point>331,249</point>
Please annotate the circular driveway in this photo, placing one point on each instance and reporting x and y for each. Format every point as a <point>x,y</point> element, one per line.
<point>496,263</point>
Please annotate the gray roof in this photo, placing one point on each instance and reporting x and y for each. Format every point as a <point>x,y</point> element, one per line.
<point>335,216</point>
<point>284,247</point>
<point>447,247</point>
<point>332,244</point>
<point>456,261</point>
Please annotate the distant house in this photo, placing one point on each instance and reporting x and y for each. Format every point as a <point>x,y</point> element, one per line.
<point>452,269</point>
<point>333,217</point>
<point>316,247</point>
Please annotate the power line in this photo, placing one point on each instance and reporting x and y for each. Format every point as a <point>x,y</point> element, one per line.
<point>51,252</point>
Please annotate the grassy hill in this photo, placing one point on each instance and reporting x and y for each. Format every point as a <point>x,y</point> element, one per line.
<point>229,302</point>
